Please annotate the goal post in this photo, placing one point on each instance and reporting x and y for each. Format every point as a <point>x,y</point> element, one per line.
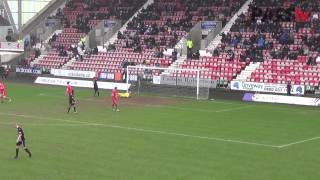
<point>168,81</point>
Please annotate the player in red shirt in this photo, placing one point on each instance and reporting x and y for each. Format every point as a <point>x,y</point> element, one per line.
<point>70,94</point>
<point>3,93</point>
<point>69,89</point>
<point>114,97</point>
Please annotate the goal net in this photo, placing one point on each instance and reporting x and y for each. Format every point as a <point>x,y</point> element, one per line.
<point>169,82</point>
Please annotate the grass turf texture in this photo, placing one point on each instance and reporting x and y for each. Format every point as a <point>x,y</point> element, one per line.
<point>155,142</point>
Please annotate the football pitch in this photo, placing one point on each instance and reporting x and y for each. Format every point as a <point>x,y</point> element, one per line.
<point>156,138</point>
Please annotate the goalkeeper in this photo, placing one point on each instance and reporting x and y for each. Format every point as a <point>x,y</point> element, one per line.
<point>125,95</point>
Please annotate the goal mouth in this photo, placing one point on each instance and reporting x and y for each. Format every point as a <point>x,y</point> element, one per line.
<point>177,82</point>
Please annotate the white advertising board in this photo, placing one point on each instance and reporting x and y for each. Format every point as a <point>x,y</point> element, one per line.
<point>81,83</point>
<point>269,98</point>
<point>156,80</point>
<point>73,73</point>
<point>266,87</point>
<point>11,46</point>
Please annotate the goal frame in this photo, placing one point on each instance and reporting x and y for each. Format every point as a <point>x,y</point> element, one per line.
<point>161,68</point>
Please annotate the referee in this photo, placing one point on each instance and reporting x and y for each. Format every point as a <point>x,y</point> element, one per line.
<point>95,87</point>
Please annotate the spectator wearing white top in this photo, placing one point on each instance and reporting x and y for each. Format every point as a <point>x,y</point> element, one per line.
<point>315,16</point>
<point>318,59</point>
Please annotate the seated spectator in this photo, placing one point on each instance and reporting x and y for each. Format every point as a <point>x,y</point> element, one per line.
<point>292,56</point>
<point>120,36</point>
<point>234,41</point>
<point>196,55</point>
<point>95,50</point>
<point>243,57</point>
<point>311,61</point>
<point>174,55</point>
<point>230,55</point>
<point>216,52</point>
<point>261,43</point>
<point>111,47</point>
<point>37,52</point>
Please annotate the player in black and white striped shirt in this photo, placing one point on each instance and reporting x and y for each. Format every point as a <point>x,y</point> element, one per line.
<point>21,141</point>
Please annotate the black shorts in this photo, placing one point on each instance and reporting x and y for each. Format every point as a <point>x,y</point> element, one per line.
<point>71,102</point>
<point>95,88</point>
<point>19,143</point>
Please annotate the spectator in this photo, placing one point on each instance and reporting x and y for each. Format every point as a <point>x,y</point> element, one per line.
<point>189,48</point>
<point>311,61</point>
<point>230,55</point>
<point>174,55</point>
<point>234,42</point>
<point>261,43</point>
<point>289,88</point>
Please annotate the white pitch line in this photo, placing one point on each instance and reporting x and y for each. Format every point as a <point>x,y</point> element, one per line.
<point>39,124</point>
<point>299,142</point>
<point>147,130</point>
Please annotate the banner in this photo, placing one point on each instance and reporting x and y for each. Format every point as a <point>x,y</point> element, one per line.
<point>73,73</point>
<point>207,25</point>
<point>11,46</point>
<point>51,22</point>
<point>28,70</point>
<point>103,76</point>
<point>269,98</point>
<point>109,23</point>
<point>133,77</point>
<point>106,76</point>
<point>156,80</point>
<point>266,87</point>
<point>81,83</point>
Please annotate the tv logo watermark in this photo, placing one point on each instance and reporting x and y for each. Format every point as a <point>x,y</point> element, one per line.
<point>280,14</point>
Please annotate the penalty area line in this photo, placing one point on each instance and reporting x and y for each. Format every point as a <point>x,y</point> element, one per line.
<point>148,131</point>
<point>299,142</point>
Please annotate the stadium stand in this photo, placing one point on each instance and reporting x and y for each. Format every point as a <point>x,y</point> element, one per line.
<point>159,26</point>
<point>286,49</point>
<point>79,17</point>
<point>225,63</point>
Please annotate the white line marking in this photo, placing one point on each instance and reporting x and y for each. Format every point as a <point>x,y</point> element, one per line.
<point>42,124</point>
<point>299,142</point>
<point>146,130</point>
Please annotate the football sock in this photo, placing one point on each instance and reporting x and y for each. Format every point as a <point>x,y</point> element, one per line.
<point>29,153</point>
<point>17,152</point>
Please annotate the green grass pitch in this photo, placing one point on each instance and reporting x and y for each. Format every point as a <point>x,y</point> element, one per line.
<point>187,139</point>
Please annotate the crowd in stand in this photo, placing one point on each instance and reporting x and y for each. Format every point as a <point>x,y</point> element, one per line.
<point>156,37</point>
<point>258,43</point>
<point>203,9</point>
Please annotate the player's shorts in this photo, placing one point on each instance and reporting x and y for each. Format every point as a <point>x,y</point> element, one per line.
<point>114,101</point>
<point>21,143</point>
<point>71,102</point>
